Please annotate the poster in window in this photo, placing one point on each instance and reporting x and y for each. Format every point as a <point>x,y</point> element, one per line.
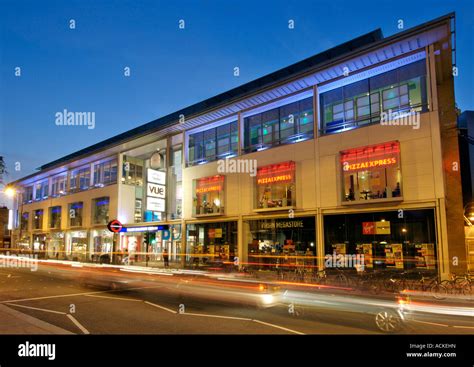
<point>397,250</point>
<point>425,257</point>
<point>339,248</point>
<point>366,250</point>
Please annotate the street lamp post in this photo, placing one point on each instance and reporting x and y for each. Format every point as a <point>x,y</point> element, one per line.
<point>10,191</point>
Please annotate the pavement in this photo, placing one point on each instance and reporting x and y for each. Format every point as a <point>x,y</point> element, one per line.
<point>15,322</point>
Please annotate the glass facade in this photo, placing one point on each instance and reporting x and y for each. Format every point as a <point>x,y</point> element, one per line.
<point>213,144</point>
<point>101,246</point>
<point>105,173</point>
<point>76,245</point>
<point>175,183</point>
<point>42,190</point>
<point>211,245</point>
<point>28,195</point>
<point>284,242</point>
<point>290,123</point>
<point>402,240</point>
<point>80,179</point>
<point>362,103</point>
<point>59,185</point>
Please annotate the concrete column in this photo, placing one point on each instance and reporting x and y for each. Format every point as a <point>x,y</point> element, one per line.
<point>452,211</point>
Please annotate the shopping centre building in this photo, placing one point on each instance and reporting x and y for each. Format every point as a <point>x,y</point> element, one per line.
<point>351,151</point>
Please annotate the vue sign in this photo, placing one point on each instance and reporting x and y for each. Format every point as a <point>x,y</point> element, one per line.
<point>156,191</point>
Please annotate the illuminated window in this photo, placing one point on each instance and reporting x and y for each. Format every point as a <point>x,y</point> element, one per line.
<point>208,196</point>
<point>361,103</point>
<point>75,214</point>
<point>371,172</point>
<point>276,186</point>
<point>105,173</point>
<point>100,210</point>
<point>80,179</point>
<point>41,190</point>
<point>286,124</point>
<point>58,185</point>
<point>28,195</point>
<point>24,221</point>
<point>212,144</point>
<point>55,217</point>
<point>38,219</point>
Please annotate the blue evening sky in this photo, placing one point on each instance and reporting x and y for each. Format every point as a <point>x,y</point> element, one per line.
<point>82,69</point>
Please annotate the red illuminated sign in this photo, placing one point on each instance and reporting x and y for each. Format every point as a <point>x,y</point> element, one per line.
<point>368,227</point>
<point>374,156</point>
<point>115,226</point>
<point>276,173</point>
<point>346,166</point>
<point>209,184</point>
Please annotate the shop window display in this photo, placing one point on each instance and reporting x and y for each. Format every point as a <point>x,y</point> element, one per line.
<point>398,240</point>
<point>211,244</point>
<point>76,245</point>
<point>281,243</point>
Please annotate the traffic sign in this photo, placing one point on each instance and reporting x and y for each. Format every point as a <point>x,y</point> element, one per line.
<point>114,226</point>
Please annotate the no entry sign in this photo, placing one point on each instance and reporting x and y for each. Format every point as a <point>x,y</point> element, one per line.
<point>115,226</point>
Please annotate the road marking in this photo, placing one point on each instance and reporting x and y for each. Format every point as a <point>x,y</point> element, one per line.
<point>77,323</point>
<point>38,309</point>
<point>278,327</point>
<point>116,298</point>
<point>163,308</point>
<point>430,323</point>
<point>217,316</point>
<point>70,295</point>
<point>463,327</point>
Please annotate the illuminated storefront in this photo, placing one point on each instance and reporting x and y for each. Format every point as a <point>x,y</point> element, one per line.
<point>145,245</point>
<point>55,245</point>
<point>211,244</point>
<point>398,240</point>
<point>76,245</point>
<point>101,245</point>
<point>282,242</point>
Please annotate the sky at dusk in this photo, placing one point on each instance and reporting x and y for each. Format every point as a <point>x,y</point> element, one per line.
<point>82,69</point>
